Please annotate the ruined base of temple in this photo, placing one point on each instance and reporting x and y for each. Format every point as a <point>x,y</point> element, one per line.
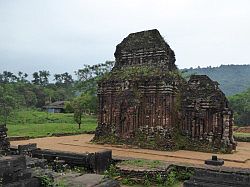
<point>157,138</point>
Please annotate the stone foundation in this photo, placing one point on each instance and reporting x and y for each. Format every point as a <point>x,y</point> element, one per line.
<point>208,178</point>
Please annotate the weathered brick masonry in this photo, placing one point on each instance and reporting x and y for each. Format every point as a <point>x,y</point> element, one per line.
<point>145,96</point>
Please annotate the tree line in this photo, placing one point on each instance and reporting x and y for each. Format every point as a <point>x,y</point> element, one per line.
<point>241,106</point>
<point>233,79</point>
<point>17,91</point>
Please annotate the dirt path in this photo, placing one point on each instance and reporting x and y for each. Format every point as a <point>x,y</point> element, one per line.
<point>81,144</point>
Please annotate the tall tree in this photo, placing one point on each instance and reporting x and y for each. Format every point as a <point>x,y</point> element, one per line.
<point>89,75</point>
<point>241,106</point>
<point>44,77</point>
<point>22,77</point>
<point>8,77</point>
<point>64,79</point>
<point>80,104</point>
<point>36,78</point>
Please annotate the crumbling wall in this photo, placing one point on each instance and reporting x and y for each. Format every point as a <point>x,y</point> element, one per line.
<point>145,101</point>
<point>4,143</point>
<point>206,114</point>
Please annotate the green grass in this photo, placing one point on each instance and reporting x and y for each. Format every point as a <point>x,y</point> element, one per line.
<point>141,163</point>
<point>35,123</point>
<point>241,134</point>
<point>30,116</point>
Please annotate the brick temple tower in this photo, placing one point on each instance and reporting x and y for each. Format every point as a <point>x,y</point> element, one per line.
<point>144,96</point>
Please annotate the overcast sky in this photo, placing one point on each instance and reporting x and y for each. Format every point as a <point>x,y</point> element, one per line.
<point>62,35</point>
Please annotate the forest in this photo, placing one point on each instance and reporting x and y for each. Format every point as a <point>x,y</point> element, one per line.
<point>23,91</point>
<point>233,79</point>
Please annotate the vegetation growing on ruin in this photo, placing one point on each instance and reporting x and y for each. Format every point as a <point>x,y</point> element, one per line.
<point>173,176</point>
<point>141,163</point>
<point>173,141</point>
<point>138,72</point>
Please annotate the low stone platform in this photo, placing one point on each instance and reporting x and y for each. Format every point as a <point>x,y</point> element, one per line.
<point>92,180</point>
<point>212,178</point>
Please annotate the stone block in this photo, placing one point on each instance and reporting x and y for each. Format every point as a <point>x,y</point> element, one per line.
<point>209,178</point>
<point>25,149</point>
<point>214,161</point>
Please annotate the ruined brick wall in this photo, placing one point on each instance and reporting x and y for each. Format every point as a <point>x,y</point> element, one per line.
<point>140,92</point>
<point>144,103</point>
<point>4,143</point>
<point>144,95</point>
<point>206,114</point>
<point>145,48</point>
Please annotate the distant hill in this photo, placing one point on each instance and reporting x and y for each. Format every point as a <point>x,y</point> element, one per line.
<point>233,79</point>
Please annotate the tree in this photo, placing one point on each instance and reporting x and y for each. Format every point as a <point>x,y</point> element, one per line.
<point>36,78</point>
<point>67,78</point>
<point>64,79</point>
<point>8,77</point>
<point>240,103</point>
<point>44,77</point>
<point>58,79</point>
<point>89,75</point>
<point>80,104</point>
<point>41,78</point>
<point>22,77</point>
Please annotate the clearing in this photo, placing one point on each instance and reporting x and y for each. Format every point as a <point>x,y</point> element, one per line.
<point>81,143</point>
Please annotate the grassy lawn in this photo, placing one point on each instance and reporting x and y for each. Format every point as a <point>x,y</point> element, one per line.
<point>241,134</point>
<point>35,123</point>
<point>141,163</point>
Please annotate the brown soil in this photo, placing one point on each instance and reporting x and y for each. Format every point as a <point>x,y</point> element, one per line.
<point>81,144</point>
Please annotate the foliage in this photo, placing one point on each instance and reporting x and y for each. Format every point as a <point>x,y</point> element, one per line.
<point>233,79</point>
<point>174,174</point>
<point>41,78</point>
<point>46,181</point>
<point>112,172</point>
<point>151,164</point>
<point>138,72</point>
<point>147,181</point>
<point>241,106</point>
<point>63,79</point>
<point>175,140</point>
<point>81,104</point>
<point>127,181</point>
<point>68,107</point>
<point>79,169</point>
<point>7,104</point>
<point>32,95</point>
<point>89,75</point>
<point>60,183</point>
